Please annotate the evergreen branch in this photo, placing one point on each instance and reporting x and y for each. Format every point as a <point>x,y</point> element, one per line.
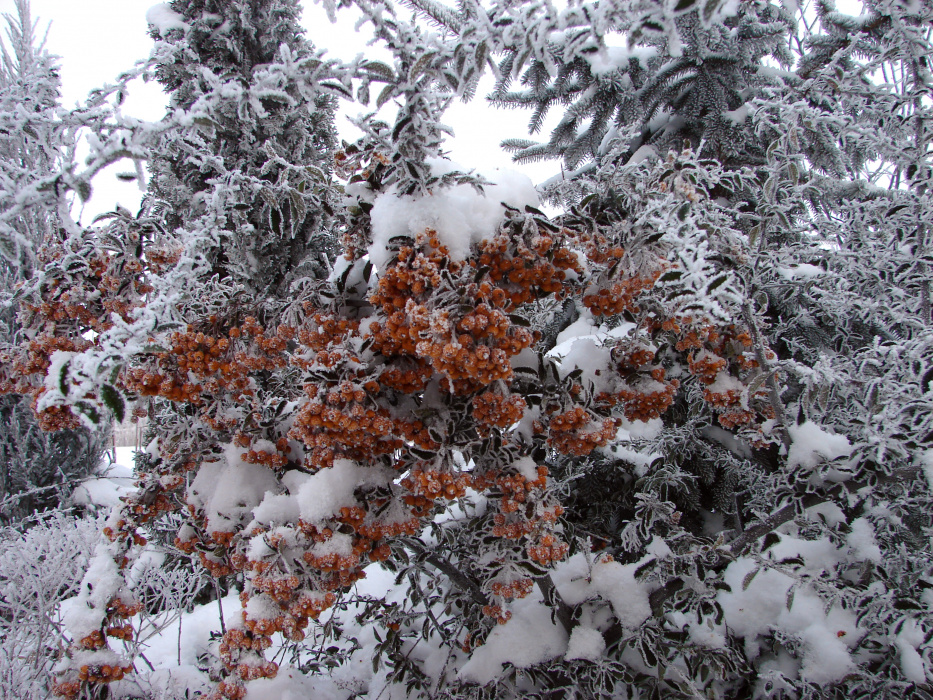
<point>439,15</point>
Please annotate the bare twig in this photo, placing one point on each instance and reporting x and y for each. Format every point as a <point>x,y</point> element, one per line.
<point>774,393</point>
<point>552,598</point>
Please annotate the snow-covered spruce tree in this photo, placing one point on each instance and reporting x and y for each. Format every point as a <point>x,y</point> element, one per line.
<point>37,468</point>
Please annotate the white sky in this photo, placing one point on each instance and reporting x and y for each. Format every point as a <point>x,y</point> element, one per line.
<point>98,39</point>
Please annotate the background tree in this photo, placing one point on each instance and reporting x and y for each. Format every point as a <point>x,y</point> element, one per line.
<point>37,469</point>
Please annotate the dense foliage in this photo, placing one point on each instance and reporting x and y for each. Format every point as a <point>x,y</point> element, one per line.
<point>38,469</point>
<point>673,440</point>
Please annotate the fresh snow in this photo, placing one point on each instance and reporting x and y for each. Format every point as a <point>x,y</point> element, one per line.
<point>460,214</point>
<point>529,638</point>
<point>811,445</point>
<point>585,643</point>
<point>761,607</point>
<point>164,19</point>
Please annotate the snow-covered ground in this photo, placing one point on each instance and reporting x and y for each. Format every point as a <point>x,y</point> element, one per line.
<point>114,480</point>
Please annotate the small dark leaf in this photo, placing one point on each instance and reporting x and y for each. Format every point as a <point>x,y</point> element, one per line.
<point>718,282</point>
<point>770,540</point>
<point>385,95</point>
<point>113,400</point>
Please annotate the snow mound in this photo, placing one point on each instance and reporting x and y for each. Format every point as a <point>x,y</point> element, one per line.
<point>461,215</point>
<point>164,19</point>
<point>811,445</point>
<point>585,643</point>
<point>529,638</point>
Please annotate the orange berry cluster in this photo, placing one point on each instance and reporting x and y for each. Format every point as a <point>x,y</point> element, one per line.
<point>549,549</point>
<point>67,685</point>
<point>577,432</point>
<point>471,351</point>
<point>495,611</point>
<point>433,485</point>
<point>69,306</point>
<point>415,273</point>
<point>706,366</point>
<point>524,271</point>
<point>519,588</point>
<point>103,673</point>
<point>525,512</point>
<point>241,652</point>
<point>339,423</point>
<point>650,399</point>
<point>273,460</point>
<point>406,381</point>
<point>736,408</point>
<point>495,410</point>
<point>619,295</point>
<point>598,248</point>
<point>201,365</point>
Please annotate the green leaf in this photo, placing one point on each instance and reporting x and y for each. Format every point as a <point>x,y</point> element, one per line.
<point>113,400</point>
<point>63,380</point>
<point>88,410</point>
<point>7,248</point>
<point>206,122</point>
<point>749,577</point>
<point>83,188</point>
<point>315,172</point>
<point>380,69</point>
<point>385,95</point>
<point>648,655</point>
<point>684,5</point>
<point>402,123</point>
<point>718,282</point>
<point>421,65</point>
<point>654,238</point>
<point>481,51</point>
<point>709,9</point>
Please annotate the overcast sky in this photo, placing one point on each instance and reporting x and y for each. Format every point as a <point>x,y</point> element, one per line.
<point>98,39</point>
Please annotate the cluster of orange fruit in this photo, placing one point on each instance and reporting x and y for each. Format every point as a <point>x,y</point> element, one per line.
<point>79,294</point>
<point>522,271</point>
<point>340,423</point>
<point>725,365</point>
<point>578,432</point>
